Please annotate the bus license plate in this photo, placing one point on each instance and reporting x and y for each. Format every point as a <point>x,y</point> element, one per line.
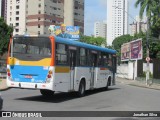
<point>28,76</point>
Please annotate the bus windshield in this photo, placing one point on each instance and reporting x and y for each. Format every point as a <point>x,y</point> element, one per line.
<point>31,48</point>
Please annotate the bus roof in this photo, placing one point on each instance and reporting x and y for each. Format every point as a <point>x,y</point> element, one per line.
<point>84,45</point>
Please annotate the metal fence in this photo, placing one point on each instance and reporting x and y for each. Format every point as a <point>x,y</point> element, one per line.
<point>140,68</point>
<point>156,68</point>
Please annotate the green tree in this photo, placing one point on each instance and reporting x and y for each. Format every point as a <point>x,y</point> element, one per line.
<point>155,28</point>
<point>5,32</point>
<point>99,41</point>
<point>146,5</point>
<point>152,9</point>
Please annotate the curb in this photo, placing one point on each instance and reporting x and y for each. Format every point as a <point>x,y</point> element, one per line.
<point>3,85</point>
<point>131,83</point>
<point>5,89</point>
<point>143,86</point>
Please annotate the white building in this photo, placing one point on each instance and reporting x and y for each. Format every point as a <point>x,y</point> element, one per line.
<point>117,19</point>
<point>140,25</point>
<point>100,29</point>
<point>35,16</point>
<point>16,15</point>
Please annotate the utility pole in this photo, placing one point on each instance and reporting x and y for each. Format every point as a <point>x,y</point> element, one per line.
<point>147,44</point>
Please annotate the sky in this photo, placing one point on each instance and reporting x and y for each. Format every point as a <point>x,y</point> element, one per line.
<point>96,10</point>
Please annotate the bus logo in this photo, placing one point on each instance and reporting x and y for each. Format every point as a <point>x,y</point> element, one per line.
<point>28,76</point>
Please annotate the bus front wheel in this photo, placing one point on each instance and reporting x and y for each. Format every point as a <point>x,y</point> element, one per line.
<point>47,92</point>
<point>81,91</point>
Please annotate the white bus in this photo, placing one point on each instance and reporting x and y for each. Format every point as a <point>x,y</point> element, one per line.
<point>53,64</point>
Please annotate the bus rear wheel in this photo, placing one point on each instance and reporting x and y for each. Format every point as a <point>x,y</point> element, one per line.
<point>47,93</point>
<point>81,91</point>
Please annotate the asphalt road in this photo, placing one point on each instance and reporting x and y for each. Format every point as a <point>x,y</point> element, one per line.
<point>118,98</point>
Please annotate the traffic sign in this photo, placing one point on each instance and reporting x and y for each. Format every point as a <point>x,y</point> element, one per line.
<point>148,59</point>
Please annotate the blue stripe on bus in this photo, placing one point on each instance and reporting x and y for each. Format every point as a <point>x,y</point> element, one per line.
<point>38,74</point>
<point>84,45</point>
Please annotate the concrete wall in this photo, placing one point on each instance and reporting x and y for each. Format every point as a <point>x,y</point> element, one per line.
<point>150,67</point>
<point>129,71</point>
<point>126,70</point>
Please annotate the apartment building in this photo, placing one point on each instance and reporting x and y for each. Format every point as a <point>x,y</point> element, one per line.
<point>3,10</point>
<point>100,29</point>
<point>140,25</point>
<point>35,16</point>
<point>117,19</point>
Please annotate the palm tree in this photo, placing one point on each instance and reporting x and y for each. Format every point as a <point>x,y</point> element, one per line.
<point>152,9</point>
<point>147,6</point>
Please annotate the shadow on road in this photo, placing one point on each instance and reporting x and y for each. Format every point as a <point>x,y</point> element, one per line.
<point>62,97</point>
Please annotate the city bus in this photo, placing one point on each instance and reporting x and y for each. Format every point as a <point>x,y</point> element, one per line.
<point>53,64</point>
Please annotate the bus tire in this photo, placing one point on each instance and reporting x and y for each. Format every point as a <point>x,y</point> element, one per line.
<point>108,83</point>
<point>81,90</point>
<point>46,93</point>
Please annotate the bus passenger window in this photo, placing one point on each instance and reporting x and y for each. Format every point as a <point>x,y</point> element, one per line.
<point>83,57</point>
<point>61,54</point>
<point>110,61</point>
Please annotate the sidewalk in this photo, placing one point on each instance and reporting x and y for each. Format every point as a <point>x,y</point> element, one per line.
<point>3,85</point>
<point>138,83</point>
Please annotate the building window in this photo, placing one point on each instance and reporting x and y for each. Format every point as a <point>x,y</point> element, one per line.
<point>39,5</point>
<point>39,26</point>
<point>39,32</point>
<point>17,12</point>
<point>17,1</point>
<point>17,24</point>
<point>17,7</point>
<point>17,18</point>
<point>17,30</point>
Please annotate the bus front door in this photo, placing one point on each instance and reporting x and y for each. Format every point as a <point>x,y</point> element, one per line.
<point>93,70</point>
<point>72,68</point>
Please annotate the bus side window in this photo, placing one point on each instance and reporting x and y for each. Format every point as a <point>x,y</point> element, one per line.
<point>61,54</point>
<point>83,57</point>
<point>105,57</point>
<point>110,60</point>
<point>100,60</point>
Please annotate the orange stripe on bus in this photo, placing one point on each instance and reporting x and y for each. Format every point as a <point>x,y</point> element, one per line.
<point>9,48</point>
<point>103,68</point>
<point>53,50</point>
